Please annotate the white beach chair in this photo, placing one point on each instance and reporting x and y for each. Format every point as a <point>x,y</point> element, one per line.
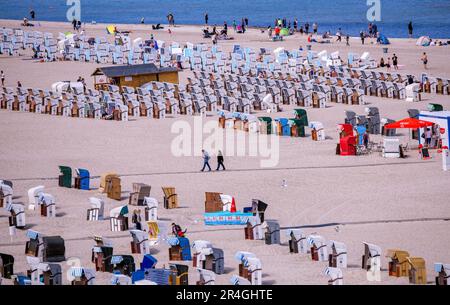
<point>97,208</point>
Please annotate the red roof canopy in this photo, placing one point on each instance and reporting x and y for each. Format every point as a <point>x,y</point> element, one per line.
<point>409,123</point>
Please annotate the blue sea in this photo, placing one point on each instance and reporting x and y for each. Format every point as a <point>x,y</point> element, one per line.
<point>429,17</point>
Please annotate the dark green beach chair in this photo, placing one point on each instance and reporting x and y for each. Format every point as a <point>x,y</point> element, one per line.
<point>65,178</point>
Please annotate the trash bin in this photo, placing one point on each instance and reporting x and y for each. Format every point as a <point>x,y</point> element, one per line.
<point>308,47</point>
<point>385,50</point>
<point>65,178</point>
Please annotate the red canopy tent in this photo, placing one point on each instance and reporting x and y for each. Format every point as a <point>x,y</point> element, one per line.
<point>409,123</point>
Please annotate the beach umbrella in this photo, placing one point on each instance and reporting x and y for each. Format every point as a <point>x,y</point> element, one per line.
<point>409,123</point>
<point>284,32</point>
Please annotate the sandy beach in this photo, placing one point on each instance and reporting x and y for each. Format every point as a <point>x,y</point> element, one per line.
<point>394,203</point>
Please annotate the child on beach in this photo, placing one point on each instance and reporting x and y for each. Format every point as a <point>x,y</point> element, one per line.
<point>388,65</point>
<point>347,40</point>
<point>2,74</point>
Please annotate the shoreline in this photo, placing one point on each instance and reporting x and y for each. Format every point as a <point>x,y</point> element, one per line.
<point>147,26</point>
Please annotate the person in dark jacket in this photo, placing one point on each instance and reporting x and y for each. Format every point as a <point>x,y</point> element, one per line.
<point>220,161</point>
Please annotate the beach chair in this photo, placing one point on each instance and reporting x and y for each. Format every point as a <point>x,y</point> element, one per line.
<point>48,205</point>
<point>443,274</point>
<point>398,264</point>
<point>6,193</point>
<point>140,191</point>
<point>146,107</point>
<point>254,269</point>
<point>417,271</point>
<point>317,132</point>
<point>371,259</point>
<point>82,179</point>
<point>387,89</point>
<point>113,187</point>
<point>82,276</point>
<point>412,93</point>
<point>229,103</point>
<point>200,248</point>
<point>319,250</point>
<point>140,243</point>
<point>319,99</point>
<point>159,108</point>
<point>65,178</point>
<point>206,277</point>
<point>213,202</point>
<point>239,281</point>
<point>399,91</point>
<point>170,198</point>
<point>123,264</point>
<point>180,249</point>
<point>254,229</point>
<point>442,86</point>
<point>338,255</point>
<point>53,249</point>
<point>6,265</point>
<point>335,275</point>
<point>101,254</point>
<point>17,218</point>
<point>272,233</point>
<point>120,112</point>
<point>297,241</point>
<point>119,219</point>
<point>96,211</point>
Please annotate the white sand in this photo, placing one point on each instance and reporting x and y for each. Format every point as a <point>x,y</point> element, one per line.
<point>322,187</point>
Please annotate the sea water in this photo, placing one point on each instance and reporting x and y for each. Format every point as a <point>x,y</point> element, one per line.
<point>430,17</point>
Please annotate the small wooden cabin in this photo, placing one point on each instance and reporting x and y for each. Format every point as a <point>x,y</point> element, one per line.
<point>133,75</point>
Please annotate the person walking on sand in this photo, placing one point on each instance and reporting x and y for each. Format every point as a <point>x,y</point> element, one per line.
<point>363,37</point>
<point>425,60</point>
<point>410,29</point>
<point>220,161</point>
<point>206,158</point>
<point>395,61</point>
<point>347,40</point>
<point>2,75</point>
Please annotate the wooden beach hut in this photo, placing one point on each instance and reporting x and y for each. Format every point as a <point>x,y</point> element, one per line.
<point>133,75</point>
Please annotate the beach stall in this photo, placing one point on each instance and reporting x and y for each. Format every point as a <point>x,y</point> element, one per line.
<point>133,75</point>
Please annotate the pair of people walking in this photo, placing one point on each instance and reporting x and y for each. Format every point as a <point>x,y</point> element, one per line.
<point>207,157</point>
